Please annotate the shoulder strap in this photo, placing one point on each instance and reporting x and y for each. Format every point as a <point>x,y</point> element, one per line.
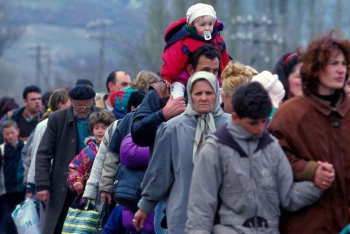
<point>161,89</point>
<point>225,138</point>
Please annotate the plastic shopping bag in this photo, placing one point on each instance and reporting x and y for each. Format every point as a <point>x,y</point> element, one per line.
<point>26,218</point>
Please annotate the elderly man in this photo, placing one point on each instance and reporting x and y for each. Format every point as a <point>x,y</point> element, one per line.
<point>116,80</point>
<point>62,140</point>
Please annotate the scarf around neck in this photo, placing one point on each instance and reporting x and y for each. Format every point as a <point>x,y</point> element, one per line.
<point>205,122</point>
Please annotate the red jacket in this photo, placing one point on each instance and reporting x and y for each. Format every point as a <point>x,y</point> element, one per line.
<point>181,43</point>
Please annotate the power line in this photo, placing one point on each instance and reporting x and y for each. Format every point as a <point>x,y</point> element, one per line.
<point>102,36</point>
<point>39,52</point>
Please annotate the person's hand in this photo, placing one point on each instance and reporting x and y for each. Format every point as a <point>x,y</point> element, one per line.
<point>174,107</point>
<point>29,194</point>
<point>43,195</point>
<point>324,175</point>
<point>139,219</point>
<point>106,197</point>
<point>78,187</point>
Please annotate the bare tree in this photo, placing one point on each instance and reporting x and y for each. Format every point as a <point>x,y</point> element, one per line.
<point>9,33</point>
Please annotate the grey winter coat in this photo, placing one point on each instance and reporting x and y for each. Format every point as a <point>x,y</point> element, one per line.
<point>169,172</point>
<point>244,184</point>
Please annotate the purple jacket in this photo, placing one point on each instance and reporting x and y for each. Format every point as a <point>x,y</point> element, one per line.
<point>135,157</point>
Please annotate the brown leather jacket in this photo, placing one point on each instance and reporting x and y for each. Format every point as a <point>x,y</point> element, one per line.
<point>309,130</point>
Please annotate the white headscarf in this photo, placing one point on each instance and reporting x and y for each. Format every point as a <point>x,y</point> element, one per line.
<point>205,122</point>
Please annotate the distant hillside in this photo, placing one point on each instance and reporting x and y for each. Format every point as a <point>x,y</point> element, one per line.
<point>60,28</point>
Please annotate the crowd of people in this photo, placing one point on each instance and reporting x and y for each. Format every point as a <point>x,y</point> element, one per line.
<point>207,145</point>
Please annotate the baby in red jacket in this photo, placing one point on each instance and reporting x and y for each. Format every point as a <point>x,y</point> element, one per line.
<point>183,37</point>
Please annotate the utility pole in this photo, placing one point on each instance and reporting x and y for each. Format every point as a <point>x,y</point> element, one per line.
<point>102,37</point>
<point>38,52</point>
<point>256,37</point>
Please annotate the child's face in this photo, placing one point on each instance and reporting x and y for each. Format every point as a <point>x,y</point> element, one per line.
<point>204,23</point>
<point>99,131</point>
<point>11,135</point>
<point>255,127</point>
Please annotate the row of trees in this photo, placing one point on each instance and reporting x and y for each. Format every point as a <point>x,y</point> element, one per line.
<point>265,29</point>
<point>9,32</point>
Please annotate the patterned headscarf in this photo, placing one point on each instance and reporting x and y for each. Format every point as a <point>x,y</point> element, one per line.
<point>205,122</point>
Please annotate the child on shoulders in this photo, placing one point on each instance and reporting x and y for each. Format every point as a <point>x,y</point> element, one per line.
<point>183,37</point>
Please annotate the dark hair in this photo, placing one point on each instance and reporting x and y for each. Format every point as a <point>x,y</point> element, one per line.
<point>30,89</point>
<point>136,99</point>
<point>251,100</point>
<point>57,97</point>
<point>208,50</point>
<point>9,123</point>
<point>9,106</point>
<point>111,78</point>
<point>45,99</point>
<point>104,116</point>
<point>84,82</point>
<point>316,57</point>
<point>6,101</point>
<point>284,67</point>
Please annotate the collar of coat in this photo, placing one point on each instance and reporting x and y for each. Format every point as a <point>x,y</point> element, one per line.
<point>325,108</point>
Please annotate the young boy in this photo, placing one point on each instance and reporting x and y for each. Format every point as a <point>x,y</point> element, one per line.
<point>241,176</point>
<point>12,188</point>
<point>183,37</point>
<point>79,168</point>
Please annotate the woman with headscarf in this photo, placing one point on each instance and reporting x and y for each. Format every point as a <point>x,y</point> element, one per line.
<point>313,131</point>
<point>170,170</point>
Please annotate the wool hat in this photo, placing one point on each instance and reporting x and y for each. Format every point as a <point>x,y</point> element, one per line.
<point>272,85</point>
<point>120,102</point>
<point>199,9</point>
<point>82,92</point>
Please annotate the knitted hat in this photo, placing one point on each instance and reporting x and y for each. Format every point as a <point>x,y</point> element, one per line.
<point>82,92</point>
<point>121,100</point>
<point>272,85</point>
<point>199,9</point>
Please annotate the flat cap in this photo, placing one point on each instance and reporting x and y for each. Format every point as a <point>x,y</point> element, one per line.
<point>82,92</point>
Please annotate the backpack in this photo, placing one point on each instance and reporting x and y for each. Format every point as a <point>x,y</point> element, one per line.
<point>127,186</point>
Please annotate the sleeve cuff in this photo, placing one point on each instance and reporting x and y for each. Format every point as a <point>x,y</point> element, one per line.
<point>310,170</point>
<point>30,188</point>
<point>42,188</point>
<point>160,115</point>
<point>147,206</point>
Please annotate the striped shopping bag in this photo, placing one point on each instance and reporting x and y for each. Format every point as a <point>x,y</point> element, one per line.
<point>82,221</point>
